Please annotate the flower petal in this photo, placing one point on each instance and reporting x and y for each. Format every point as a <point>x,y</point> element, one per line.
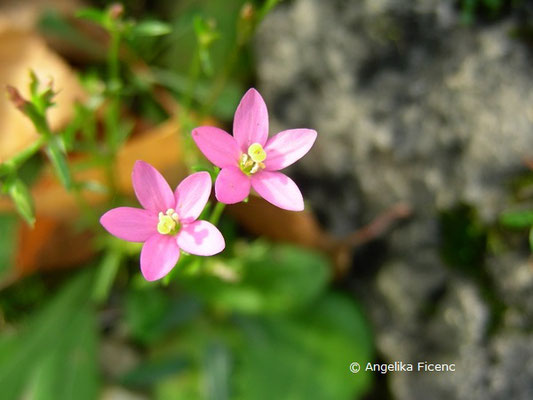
<point>201,238</point>
<point>232,186</point>
<point>279,190</point>
<point>159,255</point>
<point>218,146</point>
<point>151,188</point>
<point>192,195</point>
<point>287,147</point>
<point>250,124</point>
<point>131,224</point>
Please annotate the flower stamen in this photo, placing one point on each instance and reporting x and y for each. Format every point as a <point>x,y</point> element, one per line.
<point>168,222</point>
<point>252,162</point>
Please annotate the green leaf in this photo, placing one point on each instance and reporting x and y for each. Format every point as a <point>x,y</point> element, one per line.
<point>107,272</point>
<point>78,350</point>
<point>57,157</point>
<point>205,32</point>
<point>41,100</point>
<point>54,23</point>
<point>19,193</point>
<point>101,17</point>
<point>4,169</point>
<point>517,219</point>
<point>303,355</point>
<point>144,308</point>
<point>306,357</point>
<point>8,224</point>
<point>151,28</point>
<point>268,5</point>
<point>34,84</point>
<point>217,367</point>
<point>151,313</point>
<point>268,278</point>
<point>463,239</point>
<point>42,336</point>
<point>150,372</point>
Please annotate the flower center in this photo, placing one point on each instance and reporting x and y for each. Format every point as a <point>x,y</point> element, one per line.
<point>252,162</point>
<point>168,222</point>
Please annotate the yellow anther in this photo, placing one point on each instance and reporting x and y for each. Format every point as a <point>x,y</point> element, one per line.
<point>168,223</point>
<point>253,161</point>
<point>257,153</point>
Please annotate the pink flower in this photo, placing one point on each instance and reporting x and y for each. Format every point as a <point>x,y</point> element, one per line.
<point>249,159</point>
<point>168,221</point>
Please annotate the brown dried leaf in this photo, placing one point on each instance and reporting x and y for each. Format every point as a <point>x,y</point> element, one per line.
<point>51,244</point>
<point>262,218</point>
<point>159,147</point>
<point>54,243</point>
<point>20,52</point>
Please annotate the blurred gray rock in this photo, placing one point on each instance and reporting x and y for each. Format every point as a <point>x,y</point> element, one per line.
<point>412,106</point>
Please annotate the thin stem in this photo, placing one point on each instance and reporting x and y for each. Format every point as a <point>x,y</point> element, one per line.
<point>114,86</point>
<point>217,213</point>
<point>266,8</point>
<point>222,79</point>
<point>193,77</point>
<point>246,32</point>
<point>113,57</point>
<point>112,117</point>
<point>185,119</point>
<point>20,158</point>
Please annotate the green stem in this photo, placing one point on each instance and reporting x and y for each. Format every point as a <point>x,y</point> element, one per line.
<point>223,77</point>
<point>113,111</point>
<point>217,213</point>
<point>186,122</point>
<point>193,77</point>
<point>20,158</point>
<point>267,7</point>
<point>113,57</point>
<point>114,87</point>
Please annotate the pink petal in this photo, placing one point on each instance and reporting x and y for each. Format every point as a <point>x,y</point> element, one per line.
<point>232,186</point>
<point>131,224</point>
<point>287,147</point>
<point>250,124</point>
<point>217,146</point>
<point>279,190</point>
<point>201,238</point>
<point>151,188</point>
<point>192,195</point>
<point>159,255</point>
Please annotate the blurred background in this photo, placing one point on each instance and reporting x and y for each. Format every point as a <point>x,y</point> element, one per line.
<point>416,240</point>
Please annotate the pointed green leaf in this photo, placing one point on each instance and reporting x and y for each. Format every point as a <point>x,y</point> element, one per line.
<point>306,356</point>
<point>59,162</point>
<point>78,351</point>
<point>42,335</point>
<point>19,193</point>
<point>101,17</point>
<point>106,275</point>
<point>517,219</point>
<point>267,278</point>
<point>8,225</point>
<point>4,169</point>
<point>151,28</point>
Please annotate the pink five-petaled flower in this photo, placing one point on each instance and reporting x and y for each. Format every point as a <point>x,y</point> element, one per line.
<point>168,221</point>
<point>250,159</point>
